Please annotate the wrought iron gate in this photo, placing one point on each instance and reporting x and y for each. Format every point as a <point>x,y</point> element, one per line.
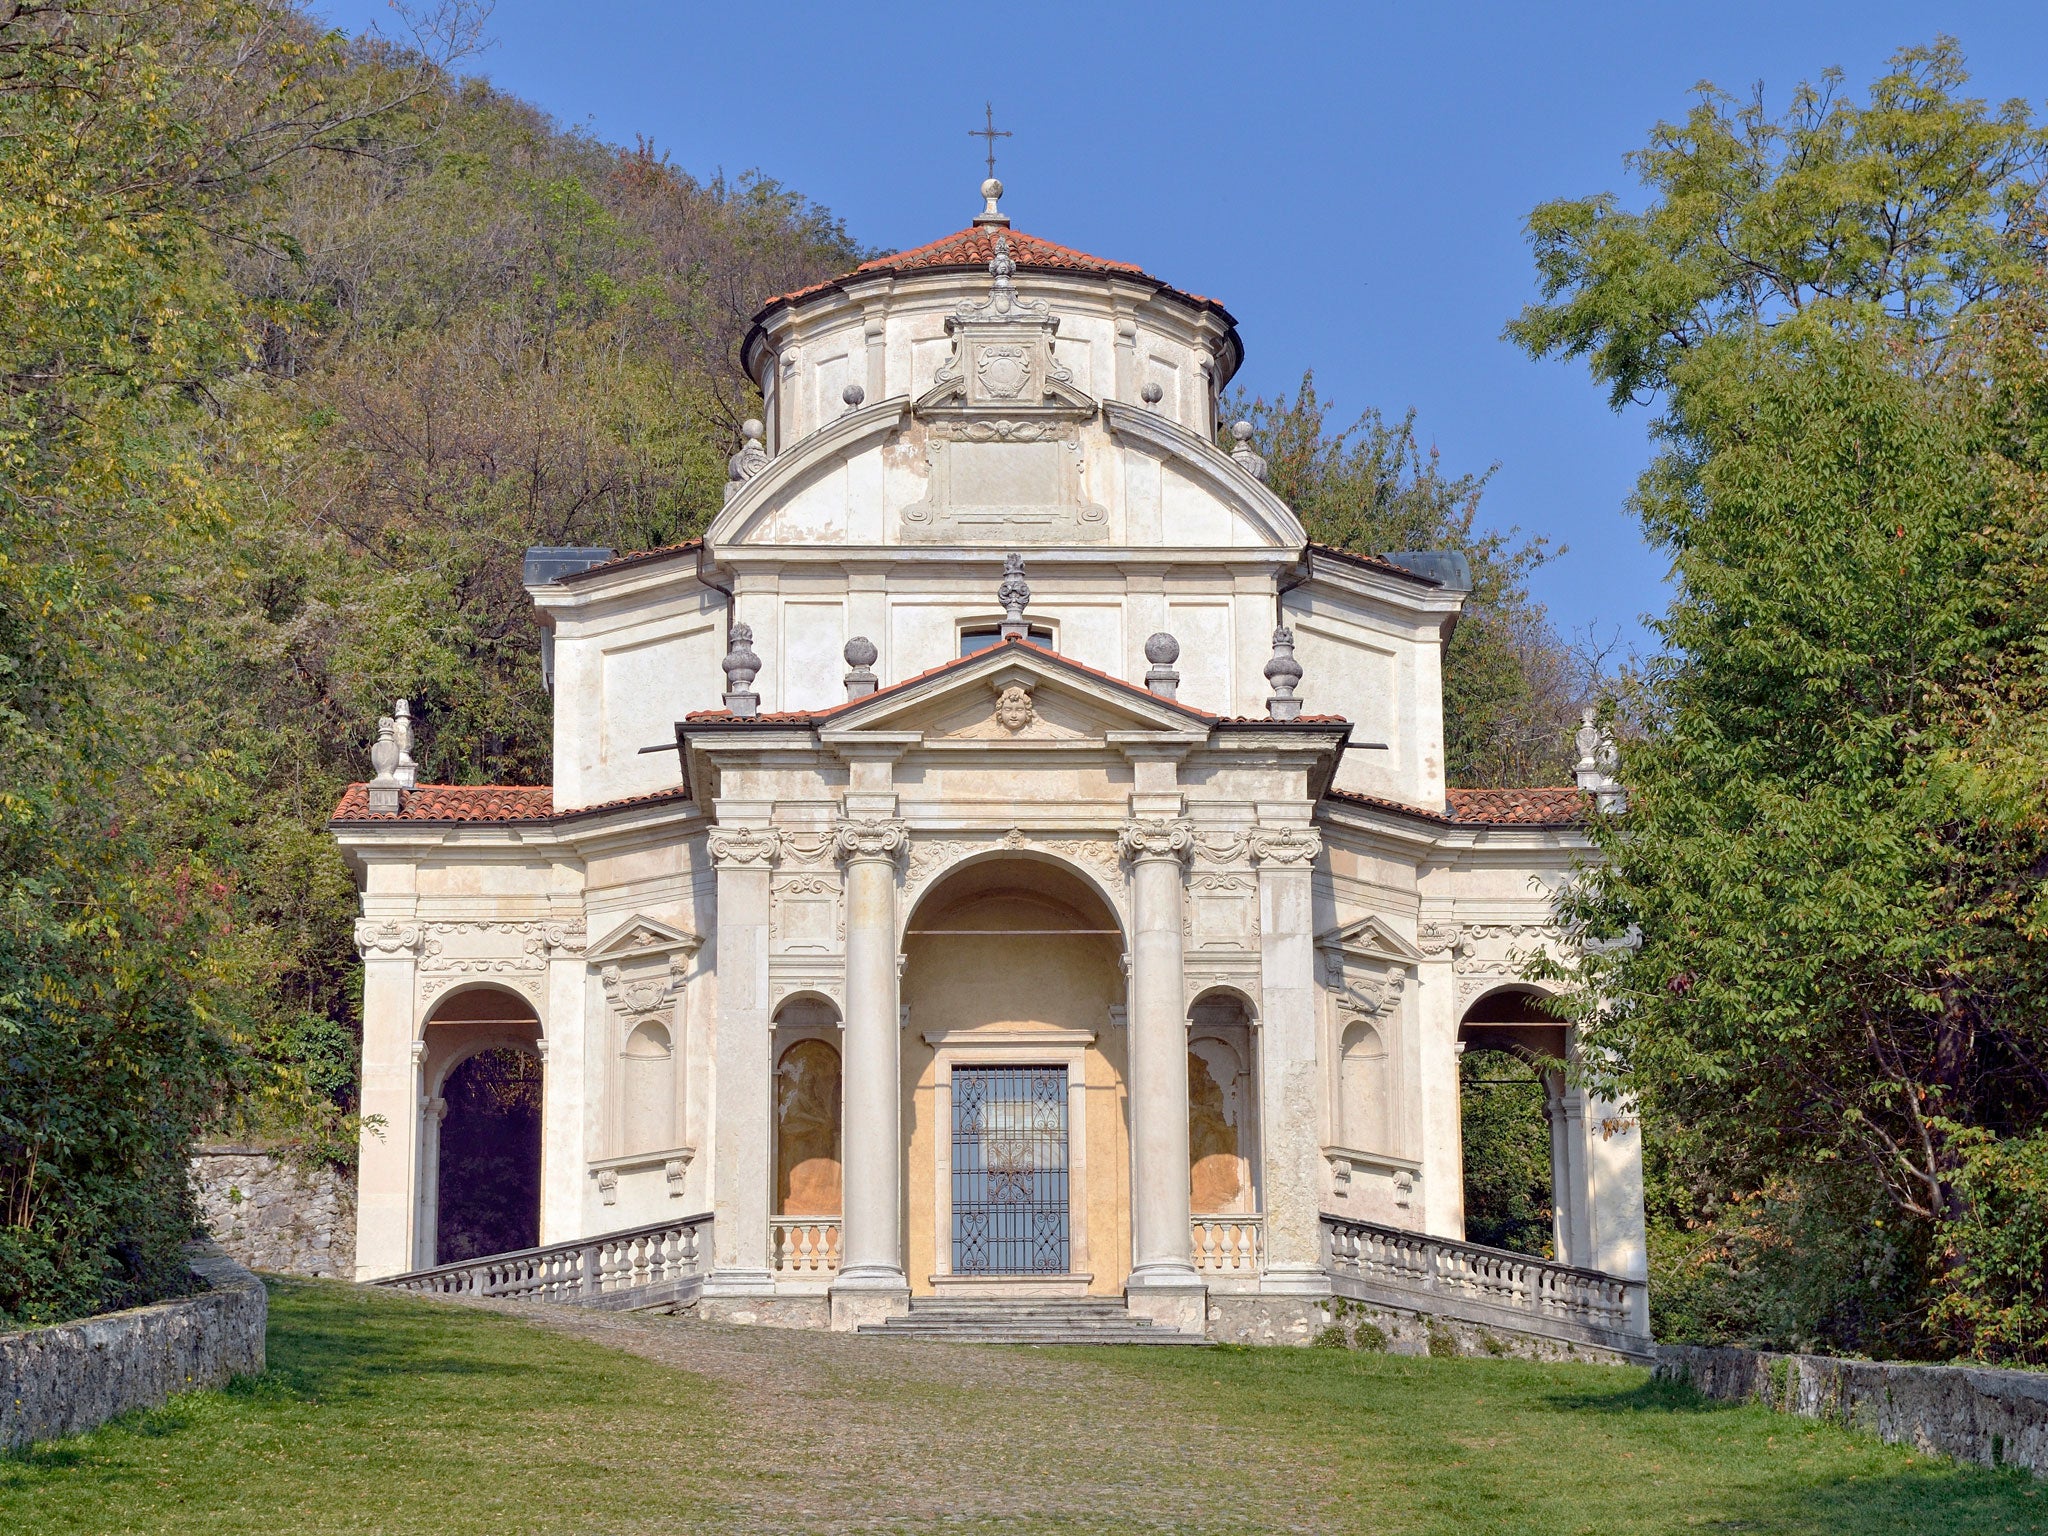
<point>1010,1171</point>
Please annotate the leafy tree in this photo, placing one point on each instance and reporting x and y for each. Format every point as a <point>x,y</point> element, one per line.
<point>1504,1124</point>
<point>1825,886</point>
<point>1511,686</point>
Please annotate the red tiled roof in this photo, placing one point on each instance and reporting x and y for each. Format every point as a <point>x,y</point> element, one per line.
<point>481,802</point>
<point>636,557</point>
<point>1560,807</point>
<point>974,247</point>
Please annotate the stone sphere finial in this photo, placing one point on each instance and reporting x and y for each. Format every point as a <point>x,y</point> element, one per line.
<point>752,430</point>
<point>1244,455</point>
<point>1152,394</point>
<point>992,189</point>
<point>1162,650</point>
<point>853,394</point>
<point>860,652</point>
<point>1241,430</point>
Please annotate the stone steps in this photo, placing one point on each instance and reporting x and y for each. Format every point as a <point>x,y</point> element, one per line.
<point>1052,1320</point>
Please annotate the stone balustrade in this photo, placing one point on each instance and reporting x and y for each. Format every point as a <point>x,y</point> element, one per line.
<point>804,1246</point>
<point>1487,1285</point>
<point>1232,1246</point>
<point>639,1266</point>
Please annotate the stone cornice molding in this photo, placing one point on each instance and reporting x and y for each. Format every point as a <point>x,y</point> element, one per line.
<point>1285,845</point>
<point>858,840</point>
<point>743,847</point>
<point>1143,840</point>
<point>390,940</point>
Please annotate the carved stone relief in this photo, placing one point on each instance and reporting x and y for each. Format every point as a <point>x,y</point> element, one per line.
<point>1222,912</point>
<point>806,915</point>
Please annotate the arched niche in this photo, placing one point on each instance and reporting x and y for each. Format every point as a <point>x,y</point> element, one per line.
<point>480,1168</point>
<point>1364,1086</point>
<point>808,1107</point>
<point>1222,1105</point>
<point>1521,1128</point>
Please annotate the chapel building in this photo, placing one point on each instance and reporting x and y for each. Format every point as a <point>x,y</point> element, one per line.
<point>1002,859</point>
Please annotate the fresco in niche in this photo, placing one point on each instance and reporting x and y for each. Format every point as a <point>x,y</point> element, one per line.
<point>807,1130</point>
<point>1214,1156</point>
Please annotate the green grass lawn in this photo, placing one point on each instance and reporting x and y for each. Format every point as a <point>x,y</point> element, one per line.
<point>385,1415</point>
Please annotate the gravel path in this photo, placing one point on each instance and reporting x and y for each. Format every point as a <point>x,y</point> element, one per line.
<point>833,1433</point>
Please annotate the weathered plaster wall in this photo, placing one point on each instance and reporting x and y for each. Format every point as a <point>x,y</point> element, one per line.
<point>1993,1418</point>
<point>75,1376</point>
<point>270,1214</point>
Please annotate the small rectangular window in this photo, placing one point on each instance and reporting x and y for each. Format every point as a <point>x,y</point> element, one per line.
<point>972,640</point>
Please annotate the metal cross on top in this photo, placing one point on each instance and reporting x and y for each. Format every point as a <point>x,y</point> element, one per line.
<point>991,133</point>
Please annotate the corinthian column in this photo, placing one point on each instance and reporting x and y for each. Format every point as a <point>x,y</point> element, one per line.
<point>871,1283</point>
<point>1289,1081</point>
<point>742,1142</point>
<point>1163,1283</point>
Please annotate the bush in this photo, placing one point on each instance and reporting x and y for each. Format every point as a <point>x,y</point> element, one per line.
<point>1994,1254</point>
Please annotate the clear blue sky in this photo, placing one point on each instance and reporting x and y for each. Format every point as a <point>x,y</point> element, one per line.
<point>1351,180</point>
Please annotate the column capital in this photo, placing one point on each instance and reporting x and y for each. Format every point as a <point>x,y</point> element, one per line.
<point>857,840</point>
<point>1285,845</point>
<point>743,847</point>
<point>1143,839</point>
<point>388,939</point>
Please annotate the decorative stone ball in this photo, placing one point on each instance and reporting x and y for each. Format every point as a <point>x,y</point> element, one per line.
<point>1242,431</point>
<point>1162,650</point>
<point>861,652</point>
<point>1151,394</point>
<point>751,429</point>
<point>991,189</point>
<point>853,394</point>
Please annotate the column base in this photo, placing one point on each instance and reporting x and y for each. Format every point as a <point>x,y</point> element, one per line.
<point>868,1296</point>
<point>739,1282</point>
<point>1294,1280</point>
<point>1171,1295</point>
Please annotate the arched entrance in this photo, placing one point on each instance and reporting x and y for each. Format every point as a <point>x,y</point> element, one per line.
<point>481,1143</point>
<point>1013,1068</point>
<point>1521,1129</point>
<point>1223,1134</point>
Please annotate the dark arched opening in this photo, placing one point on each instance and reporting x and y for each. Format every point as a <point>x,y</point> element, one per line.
<point>1509,1086</point>
<point>490,1157</point>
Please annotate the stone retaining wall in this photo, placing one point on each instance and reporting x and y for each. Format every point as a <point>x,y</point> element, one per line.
<point>270,1214</point>
<point>74,1376</point>
<point>1993,1418</point>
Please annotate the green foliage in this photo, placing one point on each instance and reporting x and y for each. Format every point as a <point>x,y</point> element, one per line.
<point>1511,686</point>
<point>1825,894</point>
<point>1991,1299</point>
<point>1505,1128</point>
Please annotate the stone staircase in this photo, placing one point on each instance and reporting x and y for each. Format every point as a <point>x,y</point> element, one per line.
<point>1048,1320</point>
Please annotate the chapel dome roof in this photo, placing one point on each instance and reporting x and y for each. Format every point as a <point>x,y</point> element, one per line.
<point>973,248</point>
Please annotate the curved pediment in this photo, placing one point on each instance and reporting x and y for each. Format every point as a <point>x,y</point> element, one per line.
<point>799,473</point>
<point>1210,471</point>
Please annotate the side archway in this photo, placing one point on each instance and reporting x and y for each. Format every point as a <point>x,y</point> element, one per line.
<point>1521,1129</point>
<point>480,1174</point>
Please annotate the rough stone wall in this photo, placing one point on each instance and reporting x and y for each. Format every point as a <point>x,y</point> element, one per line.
<point>1993,1418</point>
<point>75,1376</point>
<point>270,1214</point>
<point>1360,1325</point>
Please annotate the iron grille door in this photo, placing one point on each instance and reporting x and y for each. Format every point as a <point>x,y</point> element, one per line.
<point>1010,1171</point>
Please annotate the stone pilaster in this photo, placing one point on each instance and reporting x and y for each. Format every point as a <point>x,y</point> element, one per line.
<point>388,1153</point>
<point>742,1065</point>
<point>1289,1078</point>
<point>1163,1284</point>
<point>871,1283</point>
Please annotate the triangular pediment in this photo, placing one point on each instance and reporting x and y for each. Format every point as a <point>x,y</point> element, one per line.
<point>1017,695</point>
<point>1371,938</point>
<point>639,937</point>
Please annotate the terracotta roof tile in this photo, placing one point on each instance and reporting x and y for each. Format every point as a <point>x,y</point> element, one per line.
<point>811,716</point>
<point>974,247</point>
<point>482,802</point>
<point>1559,807</point>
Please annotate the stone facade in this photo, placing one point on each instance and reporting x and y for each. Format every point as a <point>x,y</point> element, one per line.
<point>75,1376</point>
<point>270,1214</point>
<point>1004,776</point>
